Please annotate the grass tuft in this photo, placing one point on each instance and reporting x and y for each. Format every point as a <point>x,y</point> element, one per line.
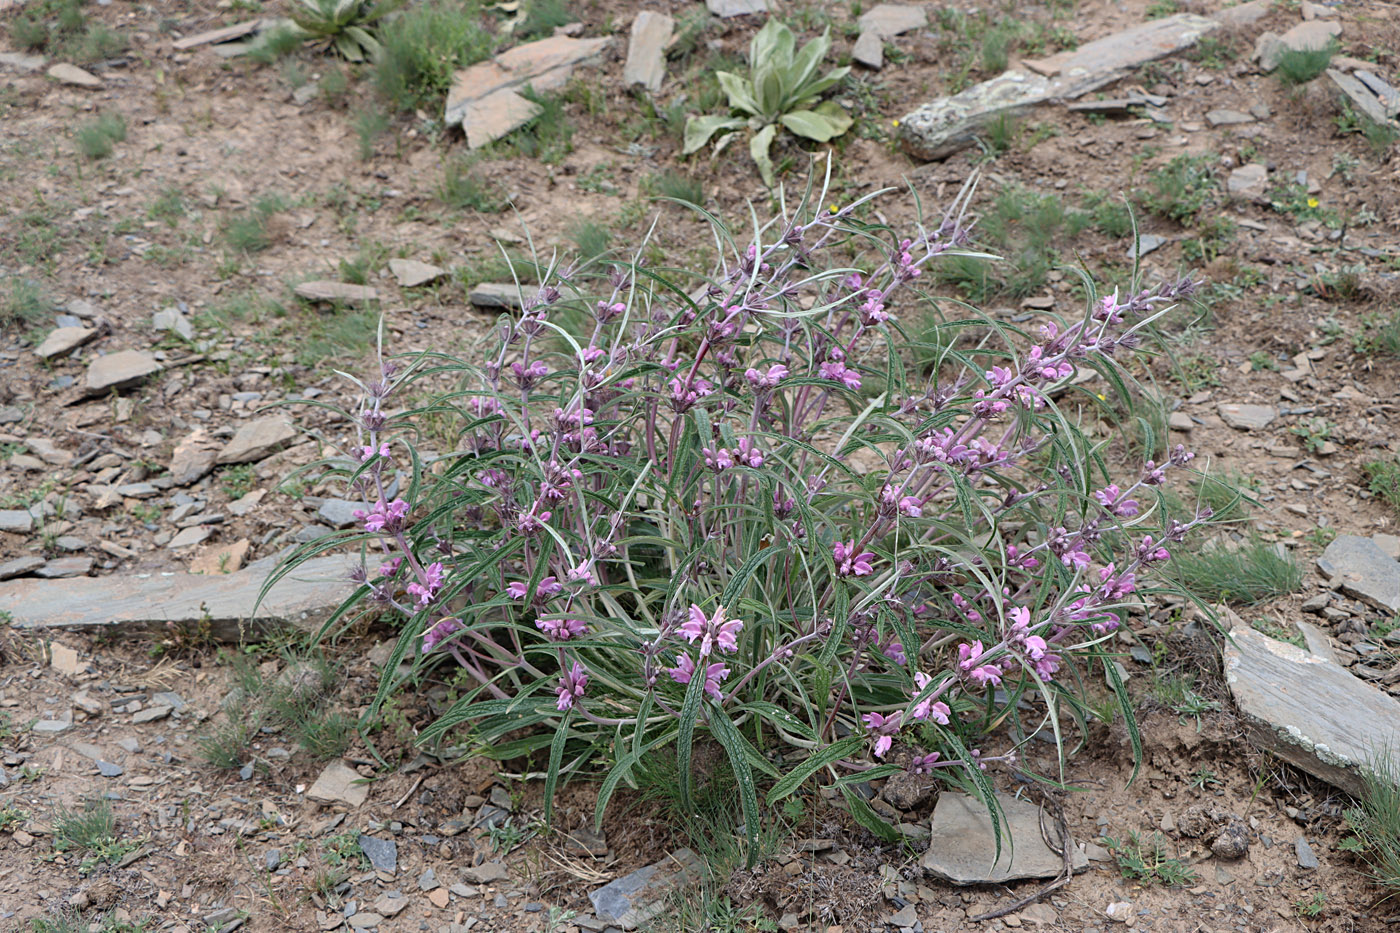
<point>251,231</point>
<point>96,137</point>
<point>422,46</point>
<point>1299,66</point>
<point>1251,574</point>
<point>464,188</point>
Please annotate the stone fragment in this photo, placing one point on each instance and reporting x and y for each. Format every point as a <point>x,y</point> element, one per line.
<point>411,273</point>
<point>225,602</point>
<point>880,24</point>
<point>189,537</point>
<point>257,439</point>
<point>51,726</point>
<point>120,370</point>
<point>724,9</point>
<point>486,873</point>
<point>1306,857</point>
<point>962,848</point>
<point>16,521</point>
<point>438,897</point>
<point>646,50</point>
<point>192,459</point>
<point>65,660</point>
<point>1247,417</point>
<point>1147,243</point>
<point>1248,181</point>
<point>21,62</point>
<point>483,99</point>
<point>226,559</point>
<point>1359,568</point>
<point>1362,95</point>
<point>20,566</point>
<point>364,920</point>
<point>390,904</point>
<point>938,129</point>
<point>48,452</point>
<point>1180,421</point>
<point>631,901</point>
<point>1305,36</point>
<point>214,36</point>
<point>151,714</point>
<point>72,74</point>
<point>383,854</point>
<point>495,295</point>
<point>1389,545</point>
<point>107,769</point>
<point>336,291</point>
<point>339,513</point>
<point>1310,711</point>
<point>1227,117</point>
<point>1388,96</point>
<point>1244,14</point>
<point>339,783</point>
<point>65,567</point>
<point>63,341</point>
<point>170,319</point>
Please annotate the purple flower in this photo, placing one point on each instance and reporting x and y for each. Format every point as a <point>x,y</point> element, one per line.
<point>582,574</point>
<point>885,727</point>
<point>561,629</point>
<point>440,631</point>
<point>928,708</point>
<point>767,380</point>
<point>1149,551</point>
<point>717,460</point>
<point>848,562</point>
<point>924,764</point>
<point>714,675</point>
<point>969,657</point>
<point>369,453</point>
<point>431,583</point>
<point>999,376</point>
<point>385,518</point>
<point>747,454</point>
<point>837,371</point>
<point>1111,498</point>
<point>390,567</point>
<point>712,630</point>
<point>895,652</point>
<point>571,687</point>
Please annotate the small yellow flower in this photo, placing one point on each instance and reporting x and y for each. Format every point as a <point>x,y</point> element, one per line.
<point>1102,397</point>
<point>1312,202</point>
<point>894,123</point>
<point>833,208</point>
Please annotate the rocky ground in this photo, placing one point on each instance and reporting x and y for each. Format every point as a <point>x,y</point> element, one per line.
<point>241,242</point>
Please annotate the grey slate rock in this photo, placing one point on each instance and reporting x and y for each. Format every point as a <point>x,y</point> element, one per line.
<point>1359,568</point>
<point>1306,857</point>
<point>428,880</point>
<point>16,521</point>
<point>631,901</point>
<point>486,873</point>
<point>338,513</point>
<point>962,848</point>
<point>20,566</point>
<point>727,8</point>
<point>495,295</point>
<point>107,769</point>
<point>383,854</point>
<point>1247,417</point>
<point>272,859</point>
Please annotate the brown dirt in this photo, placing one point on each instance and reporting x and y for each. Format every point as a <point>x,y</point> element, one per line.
<point>224,134</point>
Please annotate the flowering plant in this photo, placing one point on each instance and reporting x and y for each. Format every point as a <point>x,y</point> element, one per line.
<point>729,505</point>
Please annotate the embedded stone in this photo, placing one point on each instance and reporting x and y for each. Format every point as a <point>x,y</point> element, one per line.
<point>16,521</point>
<point>883,22</point>
<point>63,341</point>
<point>72,74</point>
<point>725,9</point>
<point>120,370</point>
<point>193,458</point>
<point>336,291</point>
<point>1359,568</point>
<point>962,848</point>
<point>495,295</point>
<point>411,273</point>
<point>339,783</point>
<point>646,50</point>
<point>1247,181</point>
<point>631,901</point>
<point>1247,417</point>
<point>258,439</point>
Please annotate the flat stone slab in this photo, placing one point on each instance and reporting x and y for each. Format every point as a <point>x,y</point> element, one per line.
<point>21,62</point>
<point>962,848</point>
<point>257,439</point>
<point>144,602</point>
<point>16,521</point>
<point>1310,711</point>
<point>1368,98</point>
<point>337,784</point>
<point>72,74</point>
<point>120,370</point>
<point>383,854</point>
<point>214,36</point>
<point>64,340</point>
<point>881,23</point>
<point>1220,117</point>
<point>411,273</point>
<point>631,901</point>
<point>724,9</point>
<point>336,291</point>
<point>483,99</point>
<point>20,566</point>
<point>1247,417</point>
<point>646,50</point>
<point>495,295</point>
<point>1359,568</point>
<point>1248,181</point>
<point>938,129</point>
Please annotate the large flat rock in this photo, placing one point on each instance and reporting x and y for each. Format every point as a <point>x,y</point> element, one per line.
<point>631,901</point>
<point>120,370</point>
<point>962,849</point>
<point>646,50</point>
<point>1359,568</point>
<point>484,98</point>
<point>1310,711</point>
<point>940,128</point>
<point>140,602</point>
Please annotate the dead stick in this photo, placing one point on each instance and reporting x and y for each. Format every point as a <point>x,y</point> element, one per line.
<point>1066,847</point>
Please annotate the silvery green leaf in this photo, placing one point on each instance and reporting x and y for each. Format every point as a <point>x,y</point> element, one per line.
<point>806,63</point>
<point>739,91</point>
<point>758,149</point>
<point>765,41</point>
<point>768,92</point>
<point>698,130</point>
<point>833,77</point>
<point>815,125</point>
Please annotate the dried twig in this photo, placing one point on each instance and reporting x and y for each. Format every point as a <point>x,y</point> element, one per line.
<point>1064,850</point>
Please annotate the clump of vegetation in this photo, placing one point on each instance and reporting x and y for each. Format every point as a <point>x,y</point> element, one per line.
<point>1181,189</point>
<point>1375,824</point>
<point>1299,66</point>
<point>345,26</point>
<point>298,702</point>
<point>549,136</point>
<point>1245,575</point>
<point>1383,479</point>
<point>1147,860</point>
<point>1027,230</point>
<point>91,831</point>
<point>61,29</point>
<point>782,89</point>
<point>423,46</point>
<point>370,122</point>
<point>542,17</point>
<point>678,187</point>
<point>96,137</point>
<point>252,230</point>
<point>22,303</point>
<point>465,188</point>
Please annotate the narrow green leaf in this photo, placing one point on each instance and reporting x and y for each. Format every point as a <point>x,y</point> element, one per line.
<point>734,745</point>
<point>556,757</point>
<point>814,763</point>
<point>867,817</point>
<point>685,736</point>
<point>758,149</point>
<point>619,772</point>
<point>698,130</point>
<point>1125,703</point>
